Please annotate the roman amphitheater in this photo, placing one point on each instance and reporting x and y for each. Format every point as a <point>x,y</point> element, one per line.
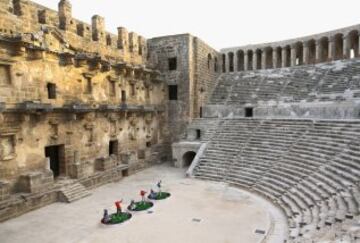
<point>257,143</point>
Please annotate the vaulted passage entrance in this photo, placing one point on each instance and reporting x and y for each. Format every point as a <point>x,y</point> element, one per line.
<point>54,153</point>
<point>188,158</point>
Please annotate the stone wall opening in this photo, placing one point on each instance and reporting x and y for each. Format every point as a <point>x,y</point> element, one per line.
<point>51,90</point>
<point>269,58</point>
<point>216,65</point>
<point>209,61</point>
<point>17,7</point>
<point>188,158</point>
<point>323,49</point>
<point>250,60</point>
<point>112,88</point>
<point>354,43</point>
<point>55,155</point>
<point>223,63</point>
<point>123,96</point>
<point>5,78</point>
<point>42,16</point>
<point>173,92</point>
<point>198,134</point>
<point>88,87</point>
<point>231,61</point>
<point>113,147</point>
<point>278,57</point>
<point>172,62</point>
<point>287,56</point>
<point>258,54</point>
<point>249,112</point>
<point>312,51</point>
<point>240,60</point>
<point>339,46</point>
<point>299,50</point>
<point>80,29</point>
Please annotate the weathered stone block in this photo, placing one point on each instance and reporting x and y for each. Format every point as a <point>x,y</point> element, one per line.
<point>4,190</point>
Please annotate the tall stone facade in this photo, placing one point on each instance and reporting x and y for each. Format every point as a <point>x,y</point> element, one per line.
<point>190,68</point>
<point>77,105</point>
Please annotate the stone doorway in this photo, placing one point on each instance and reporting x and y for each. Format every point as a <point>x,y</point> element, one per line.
<point>55,155</point>
<point>113,147</point>
<point>188,158</point>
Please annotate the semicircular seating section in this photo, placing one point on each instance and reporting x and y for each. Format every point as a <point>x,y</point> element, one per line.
<point>333,81</point>
<point>309,168</point>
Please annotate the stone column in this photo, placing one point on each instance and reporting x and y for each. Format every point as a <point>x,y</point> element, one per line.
<point>65,14</point>
<point>318,51</point>
<point>246,61</point>
<point>358,54</point>
<point>331,48</point>
<point>263,59</point>
<point>306,53</point>
<point>236,62</point>
<point>283,57</point>
<point>227,63</point>
<point>275,58</point>
<point>293,56</point>
<point>346,48</point>
<point>255,60</point>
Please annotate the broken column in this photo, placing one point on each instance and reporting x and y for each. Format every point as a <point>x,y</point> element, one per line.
<point>98,28</point>
<point>123,38</point>
<point>133,42</point>
<point>65,15</point>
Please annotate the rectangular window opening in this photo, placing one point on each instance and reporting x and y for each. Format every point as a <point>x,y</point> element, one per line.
<point>198,134</point>
<point>42,17</point>
<point>89,86</point>
<point>113,147</point>
<point>80,30</point>
<point>172,63</point>
<point>123,96</point>
<point>112,86</point>
<point>173,92</point>
<point>249,112</point>
<point>51,89</point>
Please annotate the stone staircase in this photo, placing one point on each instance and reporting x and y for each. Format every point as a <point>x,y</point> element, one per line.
<point>73,192</point>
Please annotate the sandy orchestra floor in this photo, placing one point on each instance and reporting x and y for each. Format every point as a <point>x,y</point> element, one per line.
<point>197,211</point>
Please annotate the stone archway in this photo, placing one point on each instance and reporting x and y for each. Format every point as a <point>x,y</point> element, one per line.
<point>188,158</point>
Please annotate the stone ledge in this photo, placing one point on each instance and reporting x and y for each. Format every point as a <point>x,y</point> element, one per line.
<point>30,106</point>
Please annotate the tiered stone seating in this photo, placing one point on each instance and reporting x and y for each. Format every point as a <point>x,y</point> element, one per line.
<point>338,80</point>
<point>224,146</point>
<point>308,168</point>
<point>207,127</point>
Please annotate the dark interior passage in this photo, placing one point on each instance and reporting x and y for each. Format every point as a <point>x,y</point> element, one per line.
<point>53,153</point>
<point>188,158</point>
